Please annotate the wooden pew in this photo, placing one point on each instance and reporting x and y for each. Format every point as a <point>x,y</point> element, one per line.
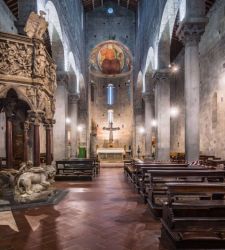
<point>143,181</point>
<point>77,167</point>
<point>159,179</point>
<point>194,217</point>
<point>138,175</point>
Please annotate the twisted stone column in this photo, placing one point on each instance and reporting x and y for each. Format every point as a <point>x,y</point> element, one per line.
<point>162,79</point>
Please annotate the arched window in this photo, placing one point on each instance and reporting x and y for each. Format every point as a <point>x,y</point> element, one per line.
<point>110,94</point>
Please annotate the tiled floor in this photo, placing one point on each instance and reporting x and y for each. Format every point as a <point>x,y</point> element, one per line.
<point>97,215</point>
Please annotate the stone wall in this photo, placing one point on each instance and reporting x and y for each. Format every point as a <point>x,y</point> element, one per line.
<point>149,18</point>
<point>212,89</point>
<point>122,112</point>
<point>101,26</point>
<point>6,19</point>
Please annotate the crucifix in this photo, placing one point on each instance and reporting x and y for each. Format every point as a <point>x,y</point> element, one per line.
<point>111,129</point>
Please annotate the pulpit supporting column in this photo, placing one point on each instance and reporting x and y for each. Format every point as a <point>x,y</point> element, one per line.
<point>162,78</point>
<point>36,149</point>
<point>9,143</point>
<point>35,118</point>
<point>48,145</point>
<point>25,141</point>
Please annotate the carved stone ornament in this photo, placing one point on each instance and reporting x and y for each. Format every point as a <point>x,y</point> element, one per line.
<point>162,75</point>
<point>35,117</point>
<point>15,58</point>
<point>73,98</point>
<point>190,33</point>
<point>36,25</point>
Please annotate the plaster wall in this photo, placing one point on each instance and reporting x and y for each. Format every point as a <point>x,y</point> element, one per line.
<point>6,19</point>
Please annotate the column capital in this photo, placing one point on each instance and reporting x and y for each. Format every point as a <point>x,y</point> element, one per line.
<point>190,31</point>
<point>73,98</point>
<point>35,117</point>
<point>147,96</point>
<point>62,78</point>
<point>48,123</point>
<point>162,74</point>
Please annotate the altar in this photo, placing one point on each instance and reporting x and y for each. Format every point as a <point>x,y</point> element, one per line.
<point>111,154</point>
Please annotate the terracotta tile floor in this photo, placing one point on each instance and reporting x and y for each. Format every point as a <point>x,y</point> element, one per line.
<point>97,215</point>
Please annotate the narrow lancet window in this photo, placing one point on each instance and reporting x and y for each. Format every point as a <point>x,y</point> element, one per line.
<point>110,116</point>
<point>110,94</point>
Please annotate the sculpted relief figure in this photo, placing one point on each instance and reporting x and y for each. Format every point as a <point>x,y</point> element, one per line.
<point>15,59</point>
<point>40,60</point>
<point>36,25</point>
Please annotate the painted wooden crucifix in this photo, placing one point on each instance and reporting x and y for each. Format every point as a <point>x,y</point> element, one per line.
<point>111,129</point>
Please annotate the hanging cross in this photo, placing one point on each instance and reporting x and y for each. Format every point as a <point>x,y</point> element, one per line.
<point>111,129</point>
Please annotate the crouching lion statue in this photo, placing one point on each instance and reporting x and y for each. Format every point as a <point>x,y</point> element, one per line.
<point>32,180</point>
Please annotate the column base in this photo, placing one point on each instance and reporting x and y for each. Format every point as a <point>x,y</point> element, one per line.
<point>163,155</point>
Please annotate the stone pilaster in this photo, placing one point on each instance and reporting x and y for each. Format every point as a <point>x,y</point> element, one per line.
<point>190,33</point>
<point>162,88</point>
<point>73,105</point>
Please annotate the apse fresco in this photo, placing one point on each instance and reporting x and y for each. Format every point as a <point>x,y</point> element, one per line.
<point>110,58</point>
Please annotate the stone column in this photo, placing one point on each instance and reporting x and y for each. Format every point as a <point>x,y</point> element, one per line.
<point>61,105</point>
<point>162,78</point>
<point>189,32</point>
<point>148,124</point>
<point>35,118</point>
<point>73,99</point>
<point>25,141</point>
<point>9,143</point>
<point>48,129</point>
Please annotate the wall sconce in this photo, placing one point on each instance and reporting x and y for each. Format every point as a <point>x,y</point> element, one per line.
<point>174,112</point>
<point>154,123</point>
<point>80,128</point>
<point>68,121</point>
<point>173,67</point>
<point>141,130</point>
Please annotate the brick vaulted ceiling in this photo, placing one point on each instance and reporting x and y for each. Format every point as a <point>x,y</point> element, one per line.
<point>90,5</point>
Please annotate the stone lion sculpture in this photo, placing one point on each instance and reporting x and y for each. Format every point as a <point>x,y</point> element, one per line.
<point>32,180</point>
